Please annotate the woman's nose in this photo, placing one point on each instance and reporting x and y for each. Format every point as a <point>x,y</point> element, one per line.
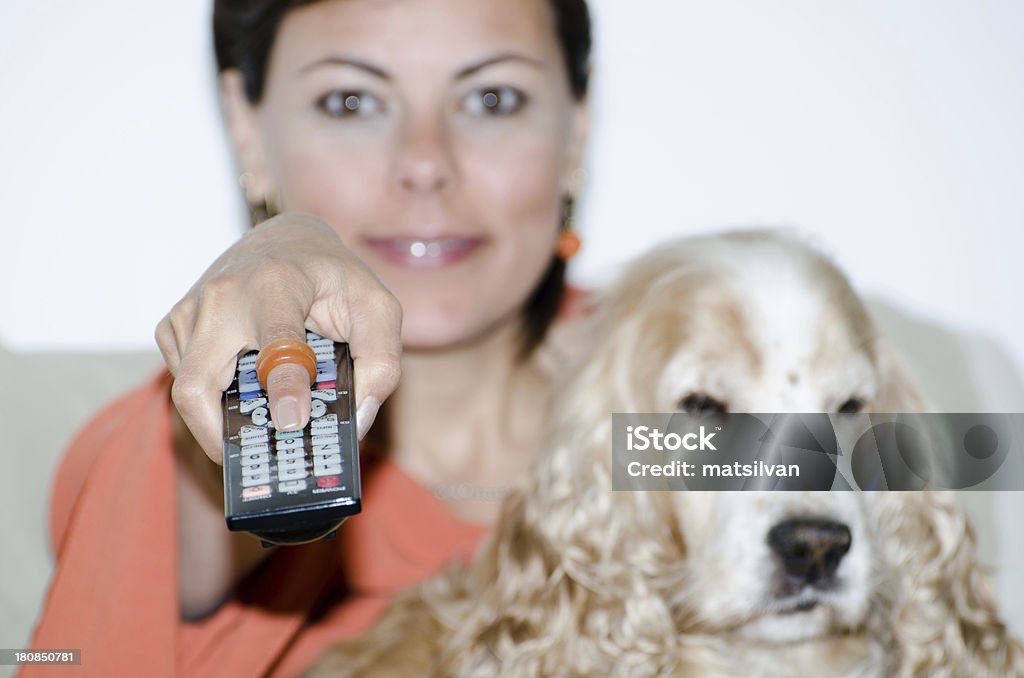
<point>425,159</point>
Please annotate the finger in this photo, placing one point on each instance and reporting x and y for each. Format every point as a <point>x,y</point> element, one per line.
<point>173,331</point>
<point>375,342</point>
<point>205,371</point>
<point>168,345</point>
<point>288,384</point>
<point>290,405</point>
<point>197,391</point>
<point>182,321</point>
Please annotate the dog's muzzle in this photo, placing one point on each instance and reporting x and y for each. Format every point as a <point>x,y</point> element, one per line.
<point>809,550</point>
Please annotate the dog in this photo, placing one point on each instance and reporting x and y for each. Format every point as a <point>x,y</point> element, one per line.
<point>578,580</point>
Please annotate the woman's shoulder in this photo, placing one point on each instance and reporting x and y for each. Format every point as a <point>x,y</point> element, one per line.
<point>90,441</point>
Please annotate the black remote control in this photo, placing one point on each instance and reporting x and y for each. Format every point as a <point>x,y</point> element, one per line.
<point>298,486</point>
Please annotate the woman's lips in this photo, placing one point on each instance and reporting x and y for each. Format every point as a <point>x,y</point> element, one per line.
<point>416,252</point>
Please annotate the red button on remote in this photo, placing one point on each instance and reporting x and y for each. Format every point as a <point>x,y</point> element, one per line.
<point>328,481</point>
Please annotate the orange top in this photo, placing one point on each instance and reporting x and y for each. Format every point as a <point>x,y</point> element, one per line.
<point>114,591</point>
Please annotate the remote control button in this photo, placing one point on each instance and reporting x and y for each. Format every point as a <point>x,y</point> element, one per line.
<point>327,448</point>
<point>253,469</point>
<point>326,370</point>
<point>255,459</point>
<point>292,475</point>
<point>323,440</point>
<point>323,459</point>
<point>258,448</point>
<point>248,381</point>
<point>261,416</point>
<point>247,406</point>
<point>287,435</point>
<point>291,469</point>
<point>290,455</point>
<point>320,342</point>
<point>328,395</point>
<point>255,492</point>
<point>328,481</point>
<point>325,425</point>
<point>326,384</point>
<point>253,434</point>
<point>293,444</point>
<point>326,469</point>
<point>292,486</point>
<point>318,408</point>
<point>247,362</point>
<point>255,479</point>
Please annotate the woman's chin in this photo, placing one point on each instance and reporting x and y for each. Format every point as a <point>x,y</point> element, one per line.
<point>435,335</point>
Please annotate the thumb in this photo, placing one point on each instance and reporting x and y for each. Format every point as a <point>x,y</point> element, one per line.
<point>376,345</point>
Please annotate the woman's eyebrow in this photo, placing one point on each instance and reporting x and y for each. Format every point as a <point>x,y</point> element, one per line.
<point>497,59</point>
<point>337,60</point>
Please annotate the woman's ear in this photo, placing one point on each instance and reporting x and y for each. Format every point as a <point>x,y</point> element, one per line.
<point>577,143</point>
<point>243,129</point>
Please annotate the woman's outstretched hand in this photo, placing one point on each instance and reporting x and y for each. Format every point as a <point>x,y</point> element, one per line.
<point>288,274</point>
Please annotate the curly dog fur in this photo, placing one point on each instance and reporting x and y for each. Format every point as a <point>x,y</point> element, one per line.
<point>578,580</point>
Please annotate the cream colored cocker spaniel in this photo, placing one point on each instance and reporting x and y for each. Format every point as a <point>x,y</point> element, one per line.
<point>578,580</point>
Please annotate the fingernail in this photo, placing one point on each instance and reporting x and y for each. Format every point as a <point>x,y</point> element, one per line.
<point>365,415</point>
<point>288,417</point>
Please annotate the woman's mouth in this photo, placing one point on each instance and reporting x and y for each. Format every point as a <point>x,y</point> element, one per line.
<point>416,252</point>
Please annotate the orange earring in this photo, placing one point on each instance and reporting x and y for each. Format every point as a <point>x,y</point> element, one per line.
<point>568,244</point>
<point>568,240</point>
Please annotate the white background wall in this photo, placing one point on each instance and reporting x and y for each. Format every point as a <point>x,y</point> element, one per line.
<point>889,132</point>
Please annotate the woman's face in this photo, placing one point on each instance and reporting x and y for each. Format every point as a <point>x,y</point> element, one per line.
<point>437,137</point>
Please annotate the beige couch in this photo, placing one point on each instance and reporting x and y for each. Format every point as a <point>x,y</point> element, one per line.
<point>44,399</point>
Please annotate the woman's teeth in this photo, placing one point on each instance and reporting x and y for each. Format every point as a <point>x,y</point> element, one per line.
<point>430,248</point>
<point>425,248</point>
<point>426,251</point>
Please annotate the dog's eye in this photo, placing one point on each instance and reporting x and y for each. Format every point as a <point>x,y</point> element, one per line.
<point>851,406</point>
<point>702,405</point>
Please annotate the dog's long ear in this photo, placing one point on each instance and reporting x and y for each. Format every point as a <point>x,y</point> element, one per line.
<point>941,616</point>
<point>897,391</point>
<point>518,606</point>
<point>552,595</point>
<point>577,578</point>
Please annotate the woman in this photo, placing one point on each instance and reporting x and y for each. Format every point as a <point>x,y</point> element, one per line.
<point>422,155</point>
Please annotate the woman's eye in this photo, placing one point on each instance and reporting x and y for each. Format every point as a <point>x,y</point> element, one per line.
<point>341,104</point>
<point>851,406</point>
<point>494,101</point>
<point>702,405</point>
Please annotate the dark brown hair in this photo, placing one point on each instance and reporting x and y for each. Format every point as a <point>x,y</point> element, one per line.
<point>243,34</point>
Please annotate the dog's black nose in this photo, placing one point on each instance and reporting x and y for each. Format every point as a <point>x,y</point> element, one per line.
<point>810,548</point>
